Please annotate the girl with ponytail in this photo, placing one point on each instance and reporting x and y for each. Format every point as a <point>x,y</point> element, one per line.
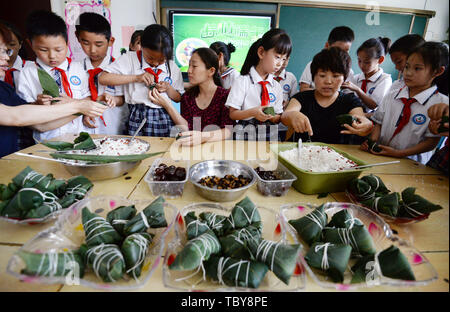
<point>372,84</point>
<point>227,73</point>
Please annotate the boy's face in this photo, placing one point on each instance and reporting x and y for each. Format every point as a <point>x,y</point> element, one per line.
<point>343,45</point>
<point>51,50</point>
<point>328,83</point>
<point>94,45</point>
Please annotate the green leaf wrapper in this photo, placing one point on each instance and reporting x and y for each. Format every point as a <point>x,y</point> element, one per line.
<point>343,219</point>
<point>244,213</point>
<point>330,259</point>
<point>346,119</point>
<point>194,226</point>
<point>82,142</point>
<point>98,230</point>
<point>394,264</point>
<point>442,128</point>
<point>120,216</point>
<point>236,244</point>
<point>361,189</point>
<point>387,204</point>
<point>102,159</point>
<point>280,258</point>
<point>357,237</point>
<point>413,205</point>
<point>134,250</point>
<point>363,270</point>
<point>48,84</point>
<point>196,251</point>
<point>309,227</point>
<point>235,272</point>
<point>106,261</point>
<point>151,217</point>
<point>218,223</point>
<point>373,146</point>
<point>52,264</point>
<point>269,111</point>
<point>376,183</point>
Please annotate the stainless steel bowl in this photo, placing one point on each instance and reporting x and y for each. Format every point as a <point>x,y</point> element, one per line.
<point>220,168</point>
<point>95,172</point>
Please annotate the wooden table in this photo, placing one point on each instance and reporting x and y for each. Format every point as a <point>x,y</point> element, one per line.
<point>430,237</point>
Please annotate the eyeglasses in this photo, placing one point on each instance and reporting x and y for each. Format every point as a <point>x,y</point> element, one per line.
<point>7,52</point>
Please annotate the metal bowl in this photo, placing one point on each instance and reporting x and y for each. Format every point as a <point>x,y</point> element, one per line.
<point>95,172</point>
<point>220,168</point>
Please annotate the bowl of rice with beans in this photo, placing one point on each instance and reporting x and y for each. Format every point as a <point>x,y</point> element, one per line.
<point>108,146</point>
<point>320,168</point>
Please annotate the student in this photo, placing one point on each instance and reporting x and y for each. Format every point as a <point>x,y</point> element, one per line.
<point>399,52</point>
<point>203,110</point>
<point>401,123</point>
<point>255,89</point>
<point>48,36</point>
<point>341,37</point>
<point>372,84</point>
<point>94,34</point>
<point>227,73</point>
<point>15,113</point>
<point>287,81</point>
<point>312,114</point>
<point>137,71</point>
<point>135,41</point>
<point>439,160</point>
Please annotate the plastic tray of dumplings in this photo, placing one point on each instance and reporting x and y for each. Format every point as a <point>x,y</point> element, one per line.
<point>382,236</point>
<point>271,231</point>
<point>67,234</point>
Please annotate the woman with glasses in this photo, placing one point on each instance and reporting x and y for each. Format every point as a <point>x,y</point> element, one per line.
<point>16,113</point>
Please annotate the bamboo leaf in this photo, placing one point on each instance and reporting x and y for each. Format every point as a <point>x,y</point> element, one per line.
<point>48,84</point>
<point>104,159</point>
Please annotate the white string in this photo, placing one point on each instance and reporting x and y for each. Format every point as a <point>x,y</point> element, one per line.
<point>197,224</point>
<point>50,199</point>
<point>118,221</point>
<point>311,216</point>
<point>249,219</point>
<point>97,223</point>
<point>77,190</point>
<point>142,243</point>
<point>324,264</point>
<point>144,219</point>
<point>413,210</point>
<point>102,252</point>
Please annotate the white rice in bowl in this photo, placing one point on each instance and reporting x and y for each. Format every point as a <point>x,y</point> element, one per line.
<point>316,158</point>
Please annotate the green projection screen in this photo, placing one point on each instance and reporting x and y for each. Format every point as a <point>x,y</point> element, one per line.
<point>195,29</point>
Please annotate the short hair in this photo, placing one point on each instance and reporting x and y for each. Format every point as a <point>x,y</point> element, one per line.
<point>225,49</point>
<point>407,44</point>
<point>93,23</point>
<point>45,23</point>
<point>13,29</point>
<point>333,59</point>
<point>375,47</point>
<point>5,33</point>
<point>341,33</point>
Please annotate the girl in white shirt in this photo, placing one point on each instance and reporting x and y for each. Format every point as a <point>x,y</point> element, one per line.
<point>227,73</point>
<point>372,84</point>
<point>143,71</point>
<point>256,90</point>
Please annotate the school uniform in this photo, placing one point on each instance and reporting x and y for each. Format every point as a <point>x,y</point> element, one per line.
<point>401,133</point>
<point>398,84</point>
<point>228,76</point>
<point>376,86</point>
<point>72,81</point>
<point>288,83</point>
<point>158,121</point>
<point>12,74</point>
<point>25,137</point>
<point>307,77</point>
<point>114,119</point>
<point>248,92</point>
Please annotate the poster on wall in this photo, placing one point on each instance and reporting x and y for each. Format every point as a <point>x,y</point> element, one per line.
<point>193,30</point>
<point>72,12</point>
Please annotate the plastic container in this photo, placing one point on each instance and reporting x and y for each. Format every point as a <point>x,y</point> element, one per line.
<point>383,238</point>
<point>271,231</point>
<point>318,182</point>
<point>276,188</point>
<point>169,189</point>
<point>67,234</point>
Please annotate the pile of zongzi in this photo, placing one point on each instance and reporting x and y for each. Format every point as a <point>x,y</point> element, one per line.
<point>333,244</point>
<point>231,250</point>
<point>371,192</point>
<point>32,195</point>
<point>114,246</point>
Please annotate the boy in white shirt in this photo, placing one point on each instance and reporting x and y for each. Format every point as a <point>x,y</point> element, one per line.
<point>94,34</point>
<point>341,37</point>
<point>48,36</point>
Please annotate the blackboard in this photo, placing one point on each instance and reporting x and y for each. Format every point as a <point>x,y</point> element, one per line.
<point>309,29</point>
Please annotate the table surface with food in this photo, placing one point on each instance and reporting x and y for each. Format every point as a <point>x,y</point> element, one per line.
<point>151,215</point>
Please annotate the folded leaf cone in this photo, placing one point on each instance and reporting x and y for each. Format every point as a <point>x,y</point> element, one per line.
<point>151,217</point>
<point>98,230</point>
<point>134,249</point>
<point>194,226</point>
<point>357,237</point>
<point>120,216</point>
<point>106,261</point>
<point>309,227</point>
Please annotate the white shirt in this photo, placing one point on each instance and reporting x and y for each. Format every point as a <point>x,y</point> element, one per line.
<point>416,130</point>
<point>18,65</point>
<point>137,93</point>
<point>228,77</point>
<point>289,85</point>
<point>116,117</point>
<point>245,93</point>
<point>377,86</point>
<point>307,77</point>
<point>398,84</point>
<point>29,88</point>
